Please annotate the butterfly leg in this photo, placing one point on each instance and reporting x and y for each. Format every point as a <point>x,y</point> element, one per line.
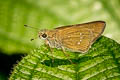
<point>52,54</point>
<point>51,50</point>
<point>66,55</point>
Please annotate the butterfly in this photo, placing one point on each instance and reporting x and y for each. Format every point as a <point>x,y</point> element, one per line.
<point>76,38</point>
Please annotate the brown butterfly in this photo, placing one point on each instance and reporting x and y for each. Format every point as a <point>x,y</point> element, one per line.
<point>76,38</point>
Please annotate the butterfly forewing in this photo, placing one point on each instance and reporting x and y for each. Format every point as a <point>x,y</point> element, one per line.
<point>80,37</point>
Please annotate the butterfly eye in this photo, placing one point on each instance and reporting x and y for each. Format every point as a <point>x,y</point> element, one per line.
<point>44,35</point>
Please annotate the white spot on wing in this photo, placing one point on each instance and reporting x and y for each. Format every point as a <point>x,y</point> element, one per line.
<point>68,36</point>
<point>78,43</point>
<point>80,34</point>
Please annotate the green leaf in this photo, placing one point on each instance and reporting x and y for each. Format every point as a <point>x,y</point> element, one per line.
<point>101,62</point>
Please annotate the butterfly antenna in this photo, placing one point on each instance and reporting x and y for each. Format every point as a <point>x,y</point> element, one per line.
<point>31,27</point>
<point>33,38</point>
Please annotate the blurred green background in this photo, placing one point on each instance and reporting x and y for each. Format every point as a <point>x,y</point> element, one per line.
<point>48,14</point>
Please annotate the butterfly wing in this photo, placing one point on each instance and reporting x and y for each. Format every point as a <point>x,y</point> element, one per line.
<point>80,37</point>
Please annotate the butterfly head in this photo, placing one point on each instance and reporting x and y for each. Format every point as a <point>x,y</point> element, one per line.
<point>43,34</point>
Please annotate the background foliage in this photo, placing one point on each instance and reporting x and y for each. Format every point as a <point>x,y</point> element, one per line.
<point>15,39</point>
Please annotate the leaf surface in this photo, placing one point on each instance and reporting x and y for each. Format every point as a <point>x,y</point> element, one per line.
<point>101,62</point>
